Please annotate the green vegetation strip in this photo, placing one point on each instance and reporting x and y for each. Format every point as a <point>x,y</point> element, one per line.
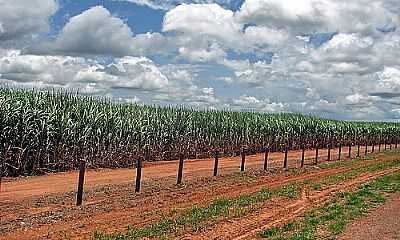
<point>329,220</point>
<point>342,177</point>
<point>198,218</point>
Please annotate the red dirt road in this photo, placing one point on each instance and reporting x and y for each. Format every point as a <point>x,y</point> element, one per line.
<point>25,188</point>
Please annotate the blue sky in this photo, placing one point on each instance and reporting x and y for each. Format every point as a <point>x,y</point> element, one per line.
<point>141,19</point>
<point>324,57</point>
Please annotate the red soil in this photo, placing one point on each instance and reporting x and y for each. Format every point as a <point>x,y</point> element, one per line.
<point>66,182</point>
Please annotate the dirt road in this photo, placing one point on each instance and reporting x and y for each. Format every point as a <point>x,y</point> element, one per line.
<point>67,182</point>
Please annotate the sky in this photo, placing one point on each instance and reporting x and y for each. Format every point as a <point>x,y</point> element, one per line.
<point>336,59</point>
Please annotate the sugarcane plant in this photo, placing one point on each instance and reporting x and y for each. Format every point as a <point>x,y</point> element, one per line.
<point>53,130</point>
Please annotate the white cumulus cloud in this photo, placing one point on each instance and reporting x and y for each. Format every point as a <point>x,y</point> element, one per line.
<point>169,4</point>
<point>97,32</point>
<point>21,19</point>
<point>80,73</point>
<point>309,16</point>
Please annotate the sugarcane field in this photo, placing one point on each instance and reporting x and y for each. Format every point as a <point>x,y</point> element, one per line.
<point>199,119</point>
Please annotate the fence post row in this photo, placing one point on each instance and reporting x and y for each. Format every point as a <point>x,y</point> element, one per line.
<point>79,197</point>
<point>216,163</point>
<point>180,169</point>
<point>82,167</point>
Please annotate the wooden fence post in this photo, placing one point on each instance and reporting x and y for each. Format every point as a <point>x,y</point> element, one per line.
<point>379,146</point>
<point>358,149</point>
<point>216,163</point>
<point>316,154</point>
<point>303,149</point>
<point>366,147</point>
<point>385,144</point>
<point>139,165</point>
<point>1,177</point>
<point>266,159</point>
<point>79,197</point>
<point>329,152</point>
<point>285,160</point>
<point>390,142</point>
<point>243,160</point>
<point>340,151</point>
<point>1,173</point>
<point>373,146</point>
<point>138,174</point>
<point>180,169</point>
<point>350,150</point>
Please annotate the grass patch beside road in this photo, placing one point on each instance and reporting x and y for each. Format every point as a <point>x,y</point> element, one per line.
<point>329,220</point>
